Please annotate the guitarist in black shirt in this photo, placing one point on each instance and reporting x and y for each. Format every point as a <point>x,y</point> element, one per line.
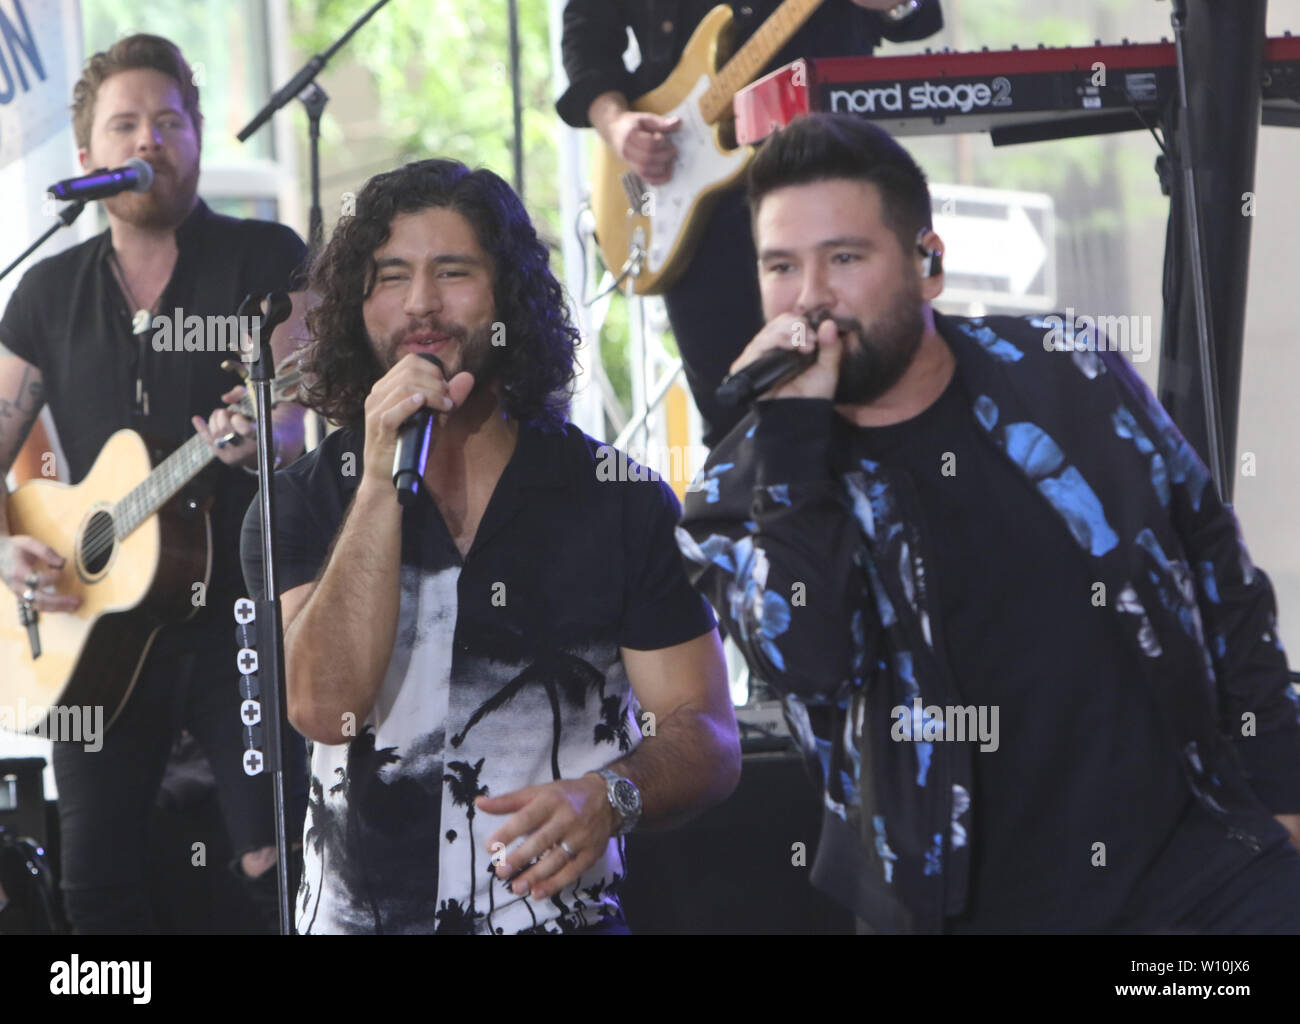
<point>714,305</point>
<point>81,333</point>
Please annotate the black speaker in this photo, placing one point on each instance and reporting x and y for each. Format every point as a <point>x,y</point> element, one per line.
<point>29,896</point>
<point>740,869</point>
<point>22,797</point>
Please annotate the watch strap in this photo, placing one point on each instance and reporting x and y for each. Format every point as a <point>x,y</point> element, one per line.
<point>612,778</point>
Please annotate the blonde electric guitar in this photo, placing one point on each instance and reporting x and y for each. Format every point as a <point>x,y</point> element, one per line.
<point>135,548</point>
<point>652,230</point>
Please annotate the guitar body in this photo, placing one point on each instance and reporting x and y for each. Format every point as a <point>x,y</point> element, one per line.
<point>670,218</point>
<point>93,656</point>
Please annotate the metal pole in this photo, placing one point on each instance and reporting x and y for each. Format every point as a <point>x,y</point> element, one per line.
<point>1195,252</point>
<point>587,409</point>
<point>1220,52</point>
<point>516,98</point>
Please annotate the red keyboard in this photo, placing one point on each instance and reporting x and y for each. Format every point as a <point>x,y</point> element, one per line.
<point>1017,95</point>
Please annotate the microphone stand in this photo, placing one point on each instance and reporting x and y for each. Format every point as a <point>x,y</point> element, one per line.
<point>1195,251</point>
<point>303,85</point>
<point>269,634</point>
<point>65,218</point>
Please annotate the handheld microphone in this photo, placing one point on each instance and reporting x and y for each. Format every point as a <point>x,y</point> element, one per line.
<point>770,369</point>
<point>767,371</point>
<point>135,176</point>
<point>413,444</point>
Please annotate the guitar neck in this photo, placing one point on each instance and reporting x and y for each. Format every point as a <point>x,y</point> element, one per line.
<point>751,58</point>
<point>160,486</point>
<point>189,460</point>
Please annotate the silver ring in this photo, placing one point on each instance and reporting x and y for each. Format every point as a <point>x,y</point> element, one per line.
<point>565,847</point>
<point>229,440</point>
<point>32,580</point>
<point>29,596</point>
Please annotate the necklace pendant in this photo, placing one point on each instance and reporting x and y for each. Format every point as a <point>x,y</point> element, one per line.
<point>141,322</point>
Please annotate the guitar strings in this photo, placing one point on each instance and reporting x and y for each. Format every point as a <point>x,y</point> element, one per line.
<point>98,532</point>
<point>173,472</point>
<point>98,541</point>
<point>101,537</point>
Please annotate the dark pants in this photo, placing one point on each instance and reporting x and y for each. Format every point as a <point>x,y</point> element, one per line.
<point>715,309</point>
<point>1261,899</point>
<point>106,797</point>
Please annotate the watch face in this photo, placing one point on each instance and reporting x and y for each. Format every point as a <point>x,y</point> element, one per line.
<point>626,795</point>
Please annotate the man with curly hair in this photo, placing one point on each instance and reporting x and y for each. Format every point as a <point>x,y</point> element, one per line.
<point>520,642</point>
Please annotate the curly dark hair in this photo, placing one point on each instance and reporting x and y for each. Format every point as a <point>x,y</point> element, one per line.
<point>535,369</point>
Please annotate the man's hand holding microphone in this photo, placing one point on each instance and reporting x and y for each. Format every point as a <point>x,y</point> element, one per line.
<point>791,357</point>
<point>413,383</point>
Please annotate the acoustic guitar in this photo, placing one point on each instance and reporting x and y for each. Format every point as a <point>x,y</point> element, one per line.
<point>135,548</point>
<point>652,230</point>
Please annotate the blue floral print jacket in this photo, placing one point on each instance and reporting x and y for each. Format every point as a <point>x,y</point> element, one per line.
<point>818,569</point>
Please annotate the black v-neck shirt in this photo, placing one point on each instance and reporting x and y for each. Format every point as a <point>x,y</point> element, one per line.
<point>506,672</point>
<point>69,319</point>
<point>554,525</point>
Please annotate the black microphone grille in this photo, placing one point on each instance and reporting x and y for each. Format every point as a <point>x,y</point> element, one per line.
<point>144,174</point>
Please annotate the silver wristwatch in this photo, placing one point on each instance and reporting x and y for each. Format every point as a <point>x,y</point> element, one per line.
<point>624,797</point>
<point>904,10</point>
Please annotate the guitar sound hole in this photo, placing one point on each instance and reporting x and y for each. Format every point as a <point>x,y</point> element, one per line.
<point>97,542</point>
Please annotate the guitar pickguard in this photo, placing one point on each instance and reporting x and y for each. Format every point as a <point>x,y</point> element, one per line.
<point>700,165</point>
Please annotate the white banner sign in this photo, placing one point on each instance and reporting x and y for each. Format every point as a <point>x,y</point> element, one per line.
<point>1000,246</point>
<point>37,38</point>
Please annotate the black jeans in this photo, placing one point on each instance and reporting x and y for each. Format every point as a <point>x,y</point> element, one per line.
<point>715,309</point>
<point>106,797</point>
<point>1261,899</point>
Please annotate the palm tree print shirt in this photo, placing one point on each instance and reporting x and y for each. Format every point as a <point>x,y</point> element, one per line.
<point>505,673</point>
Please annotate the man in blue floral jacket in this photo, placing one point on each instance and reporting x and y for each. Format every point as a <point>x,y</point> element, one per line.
<point>1009,613</point>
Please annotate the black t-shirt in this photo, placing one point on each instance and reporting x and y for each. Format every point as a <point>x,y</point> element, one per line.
<point>595,36</point>
<point>69,319</point>
<point>505,673</point>
<point>1080,818</point>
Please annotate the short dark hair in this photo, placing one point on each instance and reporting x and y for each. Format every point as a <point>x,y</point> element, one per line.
<point>129,54</point>
<point>820,147</point>
<point>535,367</point>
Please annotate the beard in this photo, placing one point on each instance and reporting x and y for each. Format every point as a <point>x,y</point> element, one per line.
<point>880,356</point>
<point>165,205</point>
<point>477,354</point>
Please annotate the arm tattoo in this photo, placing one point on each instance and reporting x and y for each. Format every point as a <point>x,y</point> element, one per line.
<point>17,414</point>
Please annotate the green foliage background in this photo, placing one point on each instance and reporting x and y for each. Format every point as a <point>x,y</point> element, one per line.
<point>439,69</point>
<point>213,35</point>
